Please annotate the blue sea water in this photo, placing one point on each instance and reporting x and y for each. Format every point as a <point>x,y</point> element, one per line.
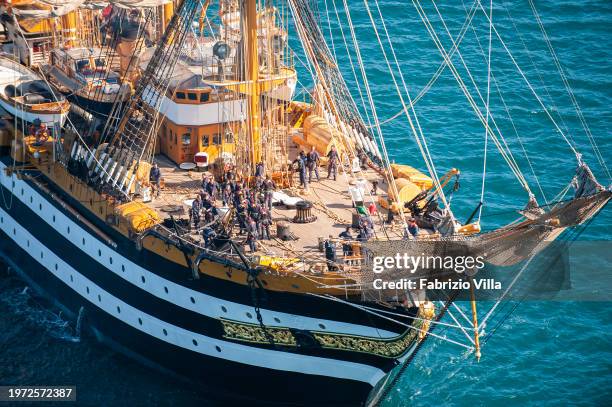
<point>547,352</point>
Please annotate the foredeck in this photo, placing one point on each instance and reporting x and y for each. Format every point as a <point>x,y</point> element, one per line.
<point>331,201</point>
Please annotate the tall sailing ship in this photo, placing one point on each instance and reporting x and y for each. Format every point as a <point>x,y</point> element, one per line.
<point>171,282</point>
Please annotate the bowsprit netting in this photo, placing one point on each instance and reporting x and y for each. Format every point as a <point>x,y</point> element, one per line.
<point>133,142</point>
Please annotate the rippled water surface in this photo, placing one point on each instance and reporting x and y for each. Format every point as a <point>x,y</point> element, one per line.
<point>547,353</point>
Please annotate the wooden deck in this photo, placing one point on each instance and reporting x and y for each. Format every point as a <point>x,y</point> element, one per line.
<point>333,207</point>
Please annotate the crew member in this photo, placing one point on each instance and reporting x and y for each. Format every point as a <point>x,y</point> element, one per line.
<point>155,179</point>
<point>268,192</point>
<point>302,166</point>
<point>312,160</point>
<point>332,164</point>
<point>347,248</point>
<point>251,234</point>
<point>196,207</point>
<point>330,253</point>
<point>413,228</point>
<point>259,169</point>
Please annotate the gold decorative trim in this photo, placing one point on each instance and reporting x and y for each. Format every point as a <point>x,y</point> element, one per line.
<point>390,348</point>
<point>253,333</point>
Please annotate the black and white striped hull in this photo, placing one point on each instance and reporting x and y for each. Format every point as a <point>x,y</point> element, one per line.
<point>148,308</point>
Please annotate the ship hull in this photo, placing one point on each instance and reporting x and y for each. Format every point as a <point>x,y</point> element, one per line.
<point>165,334</point>
<point>218,378</point>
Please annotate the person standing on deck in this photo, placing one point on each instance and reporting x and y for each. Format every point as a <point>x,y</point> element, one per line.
<point>265,221</point>
<point>268,193</point>
<point>241,215</point>
<point>259,169</point>
<point>205,182</point>
<point>302,166</point>
<point>155,179</point>
<point>313,163</point>
<point>330,253</point>
<point>347,248</point>
<point>226,195</point>
<point>413,228</point>
<point>251,239</point>
<point>196,208</point>
<point>332,166</point>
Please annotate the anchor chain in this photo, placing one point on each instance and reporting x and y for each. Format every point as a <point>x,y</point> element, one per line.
<point>254,284</point>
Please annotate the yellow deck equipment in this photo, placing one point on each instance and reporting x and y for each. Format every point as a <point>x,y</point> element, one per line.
<point>137,216</point>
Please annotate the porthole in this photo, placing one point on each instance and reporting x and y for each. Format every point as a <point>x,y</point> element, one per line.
<point>87,289</point>
<point>71,278</point>
<point>99,298</point>
<point>277,320</point>
<point>40,207</point>
<point>295,286</point>
<point>166,290</point>
<point>142,279</point>
<point>83,241</point>
<point>14,231</point>
<point>123,268</point>
<point>195,343</point>
<point>55,266</point>
<point>53,218</point>
<point>110,260</point>
<point>192,300</point>
<point>31,199</point>
<point>140,321</point>
<point>28,242</point>
<point>249,315</point>
<point>42,255</point>
<point>322,326</point>
<point>22,191</point>
<point>99,253</point>
<point>118,310</point>
<point>68,229</point>
<point>165,332</point>
<point>218,348</point>
<point>223,309</point>
<point>2,220</point>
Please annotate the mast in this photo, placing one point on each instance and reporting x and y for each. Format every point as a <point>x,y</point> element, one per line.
<point>69,28</point>
<point>252,77</point>
<point>168,11</point>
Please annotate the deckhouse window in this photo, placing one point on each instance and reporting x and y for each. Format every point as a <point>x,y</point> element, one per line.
<point>186,139</point>
<point>216,139</point>
<point>204,97</point>
<point>205,142</point>
<point>229,137</point>
<point>192,96</point>
<point>180,95</point>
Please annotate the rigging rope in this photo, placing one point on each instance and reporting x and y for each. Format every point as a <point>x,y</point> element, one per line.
<point>506,154</point>
<point>538,98</point>
<point>488,107</point>
<point>570,92</point>
<point>420,138</point>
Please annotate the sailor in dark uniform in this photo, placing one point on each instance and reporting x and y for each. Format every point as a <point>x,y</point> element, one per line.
<point>302,165</point>
<point>268,192</point>
<point>332,164</point>
<point>251,234</point>
<point>155,179</point>
<point>196,208</point>
<point>312,160</point>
